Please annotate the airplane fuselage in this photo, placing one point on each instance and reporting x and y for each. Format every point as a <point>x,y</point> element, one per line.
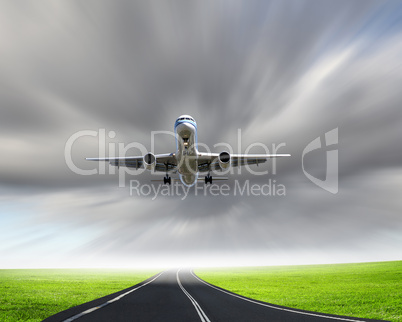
<point>186,149</point>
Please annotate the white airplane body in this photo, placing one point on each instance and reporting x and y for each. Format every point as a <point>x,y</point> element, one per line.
<point>187,160</point>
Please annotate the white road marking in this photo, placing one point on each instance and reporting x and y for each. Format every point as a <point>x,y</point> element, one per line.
<point>273,307</point>
<point>109,302</point>
<point>200,312</point>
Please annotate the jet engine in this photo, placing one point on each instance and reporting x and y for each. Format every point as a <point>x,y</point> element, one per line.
<point>149,161</point>
<point>224,160</point>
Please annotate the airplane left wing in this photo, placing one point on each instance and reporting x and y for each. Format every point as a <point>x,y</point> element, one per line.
<point>161,162</point>
<point>217,161</point>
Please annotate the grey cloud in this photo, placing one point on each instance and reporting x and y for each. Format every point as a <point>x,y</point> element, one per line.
<point>282,71</point>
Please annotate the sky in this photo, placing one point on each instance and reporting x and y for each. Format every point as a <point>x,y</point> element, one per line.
<point>277,73</point>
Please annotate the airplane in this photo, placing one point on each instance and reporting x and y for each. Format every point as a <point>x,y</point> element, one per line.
<point>187,160</point>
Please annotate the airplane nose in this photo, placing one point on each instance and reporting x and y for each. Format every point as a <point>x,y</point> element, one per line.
<point>185,128</point>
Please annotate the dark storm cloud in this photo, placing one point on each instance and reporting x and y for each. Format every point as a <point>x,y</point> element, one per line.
<point>282,71</point>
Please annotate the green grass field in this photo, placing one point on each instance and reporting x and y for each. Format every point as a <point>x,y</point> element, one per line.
<point>35,294</point>
<point>366,290</point>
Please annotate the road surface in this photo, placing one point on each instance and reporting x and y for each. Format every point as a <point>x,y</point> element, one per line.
<point>179,295</point>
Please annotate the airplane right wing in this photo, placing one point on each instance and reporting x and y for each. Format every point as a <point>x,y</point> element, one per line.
<point>159,162</point>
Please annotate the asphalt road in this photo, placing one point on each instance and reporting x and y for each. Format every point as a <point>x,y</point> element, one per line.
<point>179,295</point>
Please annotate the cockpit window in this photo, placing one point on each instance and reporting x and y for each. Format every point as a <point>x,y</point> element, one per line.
<point>185,118</point>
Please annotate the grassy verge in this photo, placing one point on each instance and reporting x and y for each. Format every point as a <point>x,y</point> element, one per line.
<point>33,295</point>
<point>367,290</point>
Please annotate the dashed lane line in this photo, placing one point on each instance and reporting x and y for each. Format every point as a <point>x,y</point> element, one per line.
<point>109,302</point>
